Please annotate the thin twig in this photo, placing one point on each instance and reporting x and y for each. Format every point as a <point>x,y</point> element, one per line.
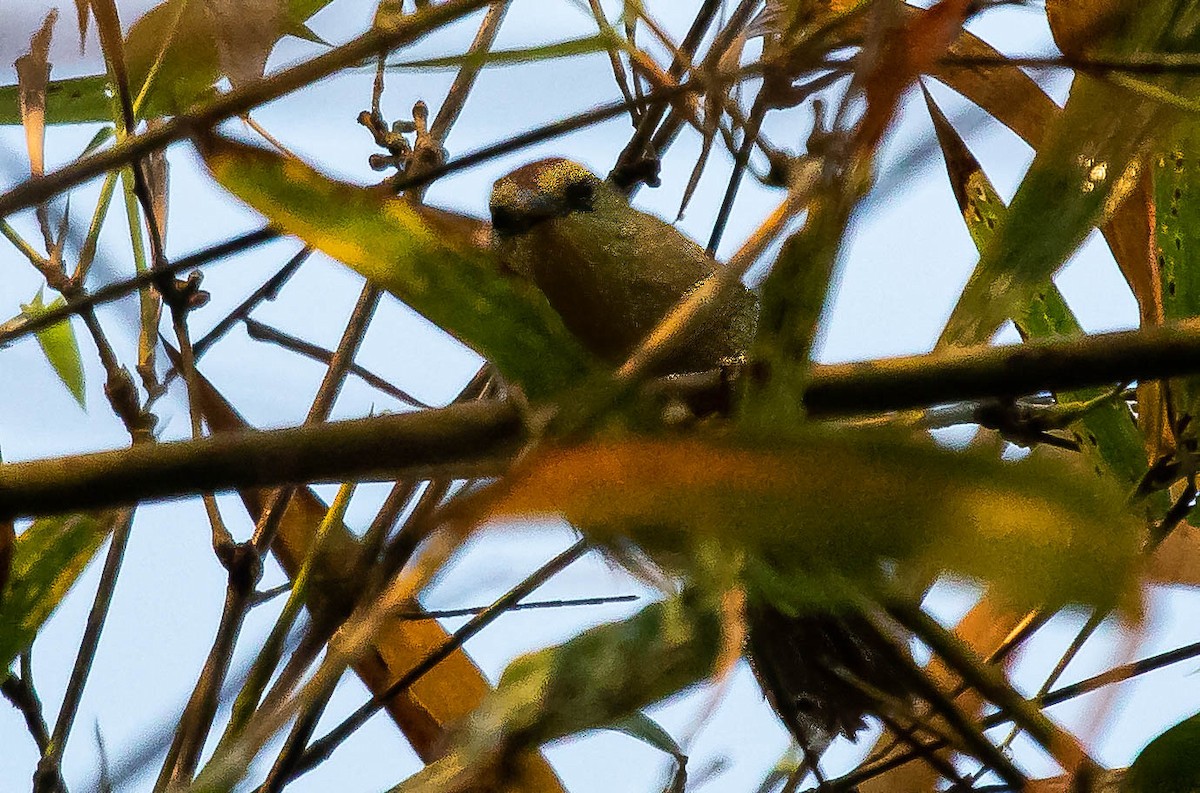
<point>323,747</point>
<point>265,333</point>
<point>464,81</point>
<point>269,290</point>
<point>238,101</point>
<point>19,691</point>
<point>114,291</point>
<point>1061,745</point>
<point>48,776</point>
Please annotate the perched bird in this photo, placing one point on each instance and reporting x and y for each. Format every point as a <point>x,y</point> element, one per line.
<point>612,272</point>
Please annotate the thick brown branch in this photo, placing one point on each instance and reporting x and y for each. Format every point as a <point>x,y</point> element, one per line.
<point>968,374</point>
<point>473,439</point>
<point>478,438</point>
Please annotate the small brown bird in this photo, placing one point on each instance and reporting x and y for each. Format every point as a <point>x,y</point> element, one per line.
<point>612,272</point>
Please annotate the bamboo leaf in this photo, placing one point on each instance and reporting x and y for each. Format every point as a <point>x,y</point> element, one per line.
<point>1106,434</point>
<point>74,100</point>
<point>1036,534</point>
<point>434,261</point>
<point>1176,175</point>
<point>47,559</point>
<point>246,32</point>
<point>545,52</point>
<point>33,73</point>
<point>60,347</point>
<point>199,47</point>
<point>1081,172</point>
<point>1169,764</point>
<point>585,683</point>
<point>645,729</point>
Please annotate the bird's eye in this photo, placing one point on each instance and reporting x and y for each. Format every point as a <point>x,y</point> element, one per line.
<point>507,222</point>
<point>580,195</point>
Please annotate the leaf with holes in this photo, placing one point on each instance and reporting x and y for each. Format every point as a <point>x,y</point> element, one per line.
<point>1086,165</point>
<point>1106,434</point>
<point>1176,173</point>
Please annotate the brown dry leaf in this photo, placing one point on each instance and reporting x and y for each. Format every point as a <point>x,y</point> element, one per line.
<point>441,698</point>
<point>245,32</point>
<point>1007,93</point>
<point>33,73</point>
<point>1177,559</point>
<point>906,48</point>
<point>82,12</point>
<point>157,173</point>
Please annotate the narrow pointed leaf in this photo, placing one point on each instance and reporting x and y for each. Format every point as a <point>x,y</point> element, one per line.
<point>545,52</point>
<point>434,261</point>
<point>1064,194</point>
<point>1080,173</point>
<point>586,683</point>
<point>1169,764</point>
<point>1176,173</point>
<point>1107,434</point>
<point>33,73</point>
<point>60,347</point>
<point>74,100</point>
<point>47,559</point>
<point>645,729</point>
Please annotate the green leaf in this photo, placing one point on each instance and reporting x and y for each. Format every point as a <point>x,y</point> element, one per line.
<point>645,729</point>
<point>48,558</point>
<point>76,100</point>
<point>185,75</point>
<point>793,298</point>
<point>477,59</point>
<point>1169,764</point>
<point>1107,433</point>
<point>1078,175</point>
<point>813,512</point>
<point>788,764</point>
<point>436,262</point>
<point>1176,173</point>
<point>60,347</point>
<point>586,683</point>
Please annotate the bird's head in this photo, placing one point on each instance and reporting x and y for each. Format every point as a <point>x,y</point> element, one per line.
<point>541,191</point>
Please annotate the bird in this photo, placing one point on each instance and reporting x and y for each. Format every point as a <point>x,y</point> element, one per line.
<point>612,272</point>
